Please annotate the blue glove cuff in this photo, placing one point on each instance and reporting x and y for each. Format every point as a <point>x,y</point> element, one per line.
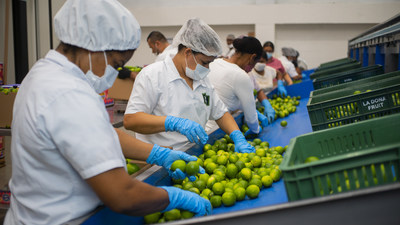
<point>236,135</point>
<point>170,122</point>
<point>157,155</point>
<point>280,83</point>
<point>171,196</point>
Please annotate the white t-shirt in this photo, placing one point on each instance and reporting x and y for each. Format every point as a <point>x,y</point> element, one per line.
<point>266,81</point>
<point>61,135</point>
<point>168,51</point>
<point>235,89</point>
<point>160,90</point>
<point>289,66</point>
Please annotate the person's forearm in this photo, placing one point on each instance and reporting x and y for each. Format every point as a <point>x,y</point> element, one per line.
<point>144,123</point>
<point>287,78</point>
<point>227,123</point>
<point>133,148</point>
<point>261,95</point>
<point>279,75</point>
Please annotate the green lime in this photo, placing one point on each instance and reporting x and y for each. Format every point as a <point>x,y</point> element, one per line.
<point>152,218</point>
<point>229,199</point>
<point>200,184</point>
<point>266,181</point>
<point>218,188</point>
<point>192,168</point>
<point>283,123</point>
<point>246,173</point>
<point>252,191</point>
<point>216,201</point>
<point>186,214</point>
<point>210,167</point>
<point>178,164</point>
<point>174,214</point>
<point>240,193</point>
<point>256,181</point>
<point>231,171</point>
<point>311,159</point>
<point>132,168</point>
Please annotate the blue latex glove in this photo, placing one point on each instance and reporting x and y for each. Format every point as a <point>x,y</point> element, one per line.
<point>165,157</point>
<point>192,130</point>
<point>281,88</point>
<point>249,132</point>
<point>263,119</point>
<point>241,144</point>
<point>186,200</point>
<point>269,112</point>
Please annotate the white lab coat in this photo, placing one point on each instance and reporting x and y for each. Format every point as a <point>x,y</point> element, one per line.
<point>264,82</point>
<point>289,66</point>
<point>160,90</point>
<point>61,135</point>
<point>235,89</point>
<point>168,51</point>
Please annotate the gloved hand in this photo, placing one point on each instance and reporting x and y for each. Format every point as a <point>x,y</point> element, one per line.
<point>281,88</point>
<point>192,130</point>
<point>241,144</point>
<point>263,119</point>
<point>186,200</point>
<point>250,132</point>
<point>269,112</point>
<point>165,157</point>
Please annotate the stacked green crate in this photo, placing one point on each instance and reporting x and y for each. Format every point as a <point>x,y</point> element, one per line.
<point>355,103</point>
<point>335,63</point>
<point>336,69</point>
<point>347,158</point>
<point>347,76</point>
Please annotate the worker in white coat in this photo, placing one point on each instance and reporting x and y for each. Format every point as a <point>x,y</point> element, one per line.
<point>288,55</point>
<point>172,100</point>
<point>233,84</point>
<point>263,75</point>
<point>67,157</point>
<point>159,46</point>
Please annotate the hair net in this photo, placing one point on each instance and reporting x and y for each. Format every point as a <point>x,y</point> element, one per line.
<point>230,37</point>
<point>200,37</point>
<point>288,52</point>
<point>97,25</point>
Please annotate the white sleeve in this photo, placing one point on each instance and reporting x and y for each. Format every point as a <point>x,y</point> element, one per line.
<point>218,107</point>
<point>144,95</point>
<point>253,80</point>
<point>79,126</point>
<point>244,91</point>
<point>291,70</point>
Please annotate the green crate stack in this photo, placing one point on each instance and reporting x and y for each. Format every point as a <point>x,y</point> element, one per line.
<point>343,106</point>
<point>347,76</point>
<point>335,63</point>
<point>351,157</point>
<point>334,70</point>
<point>354,83</point>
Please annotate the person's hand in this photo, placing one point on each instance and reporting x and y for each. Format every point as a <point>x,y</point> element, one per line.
<point>269,112</point>
<point>186,200</point>
<point>250,132</point>
<point>263,119</point>
<point>192,130</point>
<point>165,157</point>
<point>241,145</point>
<point>281,89</point>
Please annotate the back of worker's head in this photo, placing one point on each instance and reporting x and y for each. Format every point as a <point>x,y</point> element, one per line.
<point>250,45</point>
<point>97,25</point>
<point>198,36</point>
<point>156,36</point>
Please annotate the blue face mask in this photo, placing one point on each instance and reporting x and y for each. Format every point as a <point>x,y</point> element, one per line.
<point>103,83</point>
<point>199,73</point>
<point>269,55</point>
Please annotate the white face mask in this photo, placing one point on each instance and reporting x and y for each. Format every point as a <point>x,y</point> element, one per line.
<point>230,46</point>
<point>199,73</point>
<point>103,83</point>
<point>269,55</point>
<point>259,66</point>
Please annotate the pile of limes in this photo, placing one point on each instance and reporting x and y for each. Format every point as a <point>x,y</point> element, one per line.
<point>283,106</point>
<point>230,176</point>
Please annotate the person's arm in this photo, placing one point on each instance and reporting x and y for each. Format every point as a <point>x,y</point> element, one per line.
<point>287,78</point>
<point>227,123</point>
<point>144,123</point>
<point>261,95</point>
<point>122,194</point>
<point>133,148</point>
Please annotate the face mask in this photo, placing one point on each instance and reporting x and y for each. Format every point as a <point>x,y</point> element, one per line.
<point>230,46</point>
<point>259,66</point>
<point>269,55</point>
<point>103,83</point>
<point>199,73</point>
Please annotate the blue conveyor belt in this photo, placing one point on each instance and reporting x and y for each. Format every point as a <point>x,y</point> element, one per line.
<point>298,124</point>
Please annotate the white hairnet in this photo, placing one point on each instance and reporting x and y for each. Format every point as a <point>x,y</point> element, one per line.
<point>198,36</point>
<point>97,25</point>
<point>288,52</point>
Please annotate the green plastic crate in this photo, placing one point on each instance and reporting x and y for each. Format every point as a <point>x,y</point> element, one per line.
<point>334,70</point>
<point>354,83</point>
<point>334,63</point>
<point>347,76</point>
<point>351,157</point>
<point>343,107</point>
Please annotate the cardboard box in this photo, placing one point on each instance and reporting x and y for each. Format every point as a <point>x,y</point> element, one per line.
<point>6,108</point>
<point>121,89</point>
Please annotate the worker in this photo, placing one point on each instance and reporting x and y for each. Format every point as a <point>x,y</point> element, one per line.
<point>229,43</point>
<point>234,86</point>
<point>287,58</point>
<point>275,63</point>
<point>300,64</point>
<point>172,100</point>
<point>160,46</point>
<point>67,157</point>
<point>263,75</point>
